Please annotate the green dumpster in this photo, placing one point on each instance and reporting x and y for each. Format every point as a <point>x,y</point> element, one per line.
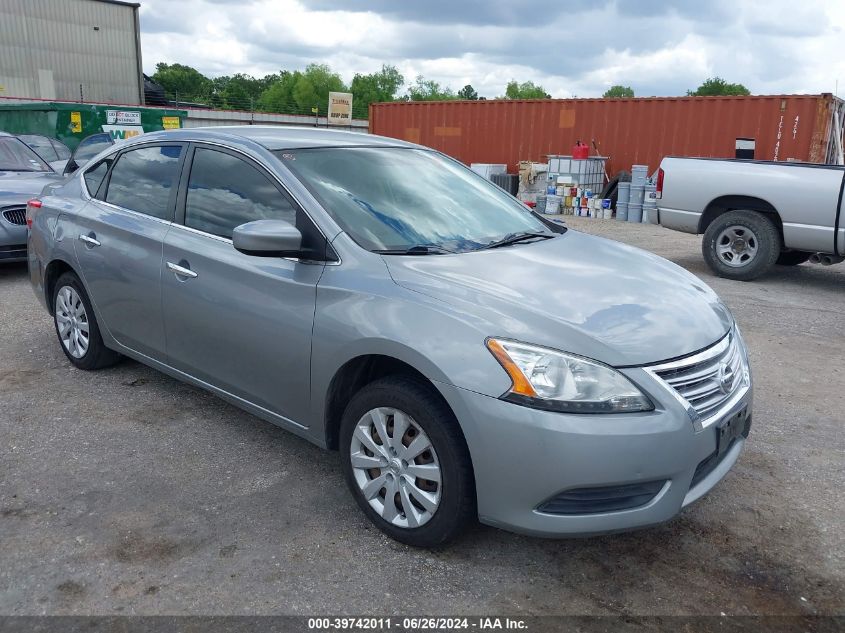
<point>72,122</point>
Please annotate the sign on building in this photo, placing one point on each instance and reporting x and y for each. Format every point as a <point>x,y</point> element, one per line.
<point>340,108</point>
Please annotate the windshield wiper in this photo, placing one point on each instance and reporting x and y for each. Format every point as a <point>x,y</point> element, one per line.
<point>513,238</point>
<point>418,249</point>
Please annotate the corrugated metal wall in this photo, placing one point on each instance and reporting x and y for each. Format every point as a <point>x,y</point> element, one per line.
<point>629,131</point>
<point>49,47</point>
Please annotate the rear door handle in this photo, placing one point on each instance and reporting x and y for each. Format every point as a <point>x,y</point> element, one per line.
<point>89,240</point>
<point>180,270</point>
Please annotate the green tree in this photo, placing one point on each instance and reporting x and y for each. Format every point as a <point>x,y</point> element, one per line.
<point>278,96</point>
<point>617,92</point>
<point>184,82</point>
<point>468,92</point>
<point>374,88</point>
<point>429,90</point>
<point>525,90</point>
<point>239,92</point>
<point>312,88</point>
<point>716,86</point>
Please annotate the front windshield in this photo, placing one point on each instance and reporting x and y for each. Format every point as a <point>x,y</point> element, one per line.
<point>15,155</point>
<point>389,198</point>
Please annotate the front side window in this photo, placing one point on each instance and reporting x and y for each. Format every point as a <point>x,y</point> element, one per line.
<point>397,198</point>
<point>61,149</point>
<point>225,191</point>
<point>143,180</point>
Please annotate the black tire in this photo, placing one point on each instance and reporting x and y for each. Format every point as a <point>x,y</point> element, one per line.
<point>792,258</point>
<point>756,227</point>
<point>97,355</point>
<point>457,507</point>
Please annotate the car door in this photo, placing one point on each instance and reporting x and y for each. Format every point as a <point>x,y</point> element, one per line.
<point>241,323</point>
<point>118,241</point>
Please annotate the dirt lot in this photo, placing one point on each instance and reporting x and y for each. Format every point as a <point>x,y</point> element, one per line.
<point>126,492</point>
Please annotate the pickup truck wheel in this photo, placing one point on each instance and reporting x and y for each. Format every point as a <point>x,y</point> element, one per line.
<point>406,462</point>
<point>792,258</point>
<point>741,245</point>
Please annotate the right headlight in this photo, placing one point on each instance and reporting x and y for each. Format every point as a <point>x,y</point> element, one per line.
<point>549,379</point>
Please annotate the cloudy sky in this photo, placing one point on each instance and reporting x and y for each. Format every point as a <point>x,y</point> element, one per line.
<point>572,48</point>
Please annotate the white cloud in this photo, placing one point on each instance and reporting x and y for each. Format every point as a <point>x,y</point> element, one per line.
<point>771,46</point>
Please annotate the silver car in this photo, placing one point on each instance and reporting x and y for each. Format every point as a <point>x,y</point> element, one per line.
<point>467,358</point>
<point>23,174</point>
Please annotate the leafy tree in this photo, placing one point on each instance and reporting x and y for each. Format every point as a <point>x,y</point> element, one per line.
<point>716,86</point>
<point>468,92</point>
<point>278,97</point>
<point>312,88</point>
<point>374,88</point>
<point>525,90</point>
<point>239,92</point>
<point>184,82</point>
<point>429,90</point>
<point>618,92</point>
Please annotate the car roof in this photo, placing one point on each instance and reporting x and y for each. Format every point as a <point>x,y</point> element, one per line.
<point>278,137</point>
<point>2,133</point>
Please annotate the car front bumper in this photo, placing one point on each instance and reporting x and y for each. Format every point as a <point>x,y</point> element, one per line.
<point>12,242</point>
<point>524,457</point>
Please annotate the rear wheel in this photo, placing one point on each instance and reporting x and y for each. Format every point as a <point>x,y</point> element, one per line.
<point>406,462</point>
<point>76,325</point>
<point>792,258</point>
<point>741,245</point>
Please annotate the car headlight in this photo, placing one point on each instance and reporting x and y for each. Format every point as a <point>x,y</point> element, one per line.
<point>549,379</point>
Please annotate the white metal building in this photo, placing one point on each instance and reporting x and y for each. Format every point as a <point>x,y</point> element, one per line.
<point>59,49</point>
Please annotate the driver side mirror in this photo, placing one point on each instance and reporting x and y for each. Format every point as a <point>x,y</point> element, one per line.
<point>268,238</point>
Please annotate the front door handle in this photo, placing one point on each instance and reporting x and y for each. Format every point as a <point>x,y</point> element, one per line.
<point>180,270</point>
<point>90,241</point>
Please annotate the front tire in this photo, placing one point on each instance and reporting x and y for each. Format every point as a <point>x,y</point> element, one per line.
<point>406,462</point>
<point>76,325</point>
<point>741,245</point>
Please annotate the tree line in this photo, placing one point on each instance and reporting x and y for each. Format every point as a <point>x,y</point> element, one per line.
<point>307,91</point>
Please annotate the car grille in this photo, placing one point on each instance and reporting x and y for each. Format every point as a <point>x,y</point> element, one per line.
<point>15,215</point>
<point>708,379</point>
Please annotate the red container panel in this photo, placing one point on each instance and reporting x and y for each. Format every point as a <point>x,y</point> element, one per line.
<point>629,131</point>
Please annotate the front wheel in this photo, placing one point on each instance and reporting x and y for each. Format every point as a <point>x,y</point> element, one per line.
<point>741,245</point>
<point>406,462</point>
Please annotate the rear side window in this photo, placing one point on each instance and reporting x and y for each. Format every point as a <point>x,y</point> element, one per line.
<point>225,191</point>
<point>90,147</point>
<point>94,177</point>
<point>61,149</point>
<point>144,179</point>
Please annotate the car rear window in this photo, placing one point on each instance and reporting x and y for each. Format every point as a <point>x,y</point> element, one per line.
<point>143,180</point>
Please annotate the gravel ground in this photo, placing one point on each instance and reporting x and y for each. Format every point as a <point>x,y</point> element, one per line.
<point>125,492</point>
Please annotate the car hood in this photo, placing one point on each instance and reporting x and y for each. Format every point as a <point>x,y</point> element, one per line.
<point>18,186</point>
<point>578,293</point>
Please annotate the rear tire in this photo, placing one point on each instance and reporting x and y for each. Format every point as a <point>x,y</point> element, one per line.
<point>792,258</point>
<point>384,420</point>
<point>76,326</point>
<point>741,245</point>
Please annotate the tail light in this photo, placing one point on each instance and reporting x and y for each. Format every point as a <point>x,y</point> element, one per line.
<point>31,209</point>
<point>659,192</point>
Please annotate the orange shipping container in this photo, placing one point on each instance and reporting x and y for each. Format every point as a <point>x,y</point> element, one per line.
<point>629,131</point>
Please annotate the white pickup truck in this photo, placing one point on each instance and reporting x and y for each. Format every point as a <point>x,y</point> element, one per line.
<point>755,214</point>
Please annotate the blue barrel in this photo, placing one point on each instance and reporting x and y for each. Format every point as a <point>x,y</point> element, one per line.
<point>622,211</point>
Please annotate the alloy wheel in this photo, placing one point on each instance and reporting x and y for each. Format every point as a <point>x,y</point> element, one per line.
<point>72,322</point>
<point>736,246</point>
<point>396,467</point>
